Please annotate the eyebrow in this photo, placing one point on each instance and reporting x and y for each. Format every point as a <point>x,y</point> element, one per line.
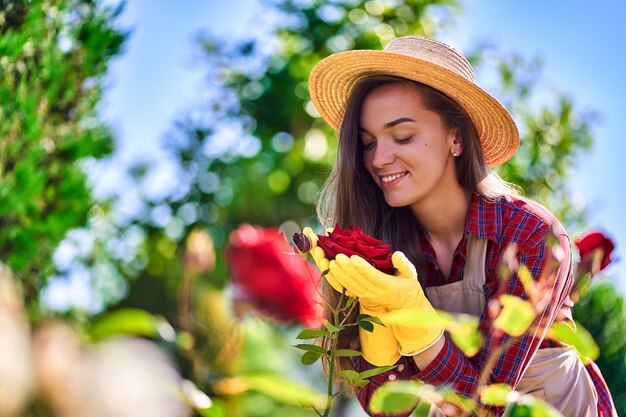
<point>392,123</point>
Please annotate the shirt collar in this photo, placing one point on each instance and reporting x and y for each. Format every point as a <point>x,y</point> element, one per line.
<point>484,218</point>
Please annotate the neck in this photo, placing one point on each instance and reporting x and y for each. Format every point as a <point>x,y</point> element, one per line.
<point>442,217</point>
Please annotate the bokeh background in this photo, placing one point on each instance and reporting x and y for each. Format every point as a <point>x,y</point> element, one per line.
<point>127,127</point>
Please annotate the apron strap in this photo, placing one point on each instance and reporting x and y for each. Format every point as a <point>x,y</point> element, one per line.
<point>476,252</point>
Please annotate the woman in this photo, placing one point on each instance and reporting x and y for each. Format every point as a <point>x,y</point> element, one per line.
<point>417,137</point>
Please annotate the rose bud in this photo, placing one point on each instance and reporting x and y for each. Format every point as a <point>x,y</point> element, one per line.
<point>302,242</point>
<point>595,244</point>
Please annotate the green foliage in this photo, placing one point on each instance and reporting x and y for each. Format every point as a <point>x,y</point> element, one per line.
<point>516,315</point>
<point>579,338</point>
<point>552,133</point>
<point>602,312</point>
<point>259,154</point>
<point>53,56</point>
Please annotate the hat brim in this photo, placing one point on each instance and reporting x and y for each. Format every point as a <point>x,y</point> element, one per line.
<point>331,82</point>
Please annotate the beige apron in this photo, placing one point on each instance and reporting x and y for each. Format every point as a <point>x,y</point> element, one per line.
<point>556,375</point>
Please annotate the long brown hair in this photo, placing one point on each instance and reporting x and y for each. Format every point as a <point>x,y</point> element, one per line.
<point>351,197</point>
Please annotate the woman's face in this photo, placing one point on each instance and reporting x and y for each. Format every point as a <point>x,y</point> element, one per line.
<point>407,148</point>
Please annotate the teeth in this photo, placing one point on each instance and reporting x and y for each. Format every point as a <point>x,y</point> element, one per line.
<point>392,177</point>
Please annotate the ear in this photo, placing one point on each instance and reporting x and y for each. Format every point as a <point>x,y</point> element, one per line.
<point>456,147</point>
<point>458,139</point>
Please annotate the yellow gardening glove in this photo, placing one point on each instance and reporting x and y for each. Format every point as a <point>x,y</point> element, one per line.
<point>376,290</point>
<point>379,347</point>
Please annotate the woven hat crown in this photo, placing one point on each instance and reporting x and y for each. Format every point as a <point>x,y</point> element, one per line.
<point>433,51</point>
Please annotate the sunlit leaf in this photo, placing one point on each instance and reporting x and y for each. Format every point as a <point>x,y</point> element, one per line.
<point>311,333</point>
<point>414,318</point>
<point>422,410</point>
<point>130,321</point>
<point>463,330</point>
<point>516,315</point>
<point>579,338</point>
<point>526,279</point>
<point>540,408</point>
<point>529,406</point>
<point>396,397</point>
<point>285,390</point>
<point>495,394</point>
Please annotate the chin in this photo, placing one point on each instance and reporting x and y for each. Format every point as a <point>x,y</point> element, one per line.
<point>397,202</point>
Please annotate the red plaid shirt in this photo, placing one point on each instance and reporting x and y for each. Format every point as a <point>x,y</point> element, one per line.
<point>508,220</point>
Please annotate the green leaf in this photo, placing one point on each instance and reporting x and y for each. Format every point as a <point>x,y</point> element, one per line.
<point>540,408</point>
<point>368,318</point>
<point>349,302</point>
<point>516,315</point>
<point>349,374</point>
<point>422,410</point>
<point>312,348</point>
<point>311,333</point>
<point>415,318</point>
<point>579,338</point>
<point>309,358</point>
<point>285,390</point>
<point>375,371</point>
<point>526,278</point>
<point>463,330</point>
<point>347,352</point>
<point>396,397</point>
<point>331,327</point>
<point>366,325</point>
<point>125,321</point>
<point>495,394</point>
<point>361,383</point>
<point>527,405</point>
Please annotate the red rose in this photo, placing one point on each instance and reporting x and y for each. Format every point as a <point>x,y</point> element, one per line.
<point>595,241</point>
<point>352,241</point>
<point>270,276</point>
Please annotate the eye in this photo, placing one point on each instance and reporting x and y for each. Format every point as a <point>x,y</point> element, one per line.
<point>369,145</point>
<point>404,140</point>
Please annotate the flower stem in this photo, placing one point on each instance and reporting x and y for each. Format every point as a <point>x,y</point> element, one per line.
<point>331,365</point>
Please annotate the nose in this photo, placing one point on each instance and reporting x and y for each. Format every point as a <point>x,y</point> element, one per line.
<point>383,154</point>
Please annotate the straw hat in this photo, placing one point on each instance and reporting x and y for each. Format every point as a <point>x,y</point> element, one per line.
<point>429,62</point>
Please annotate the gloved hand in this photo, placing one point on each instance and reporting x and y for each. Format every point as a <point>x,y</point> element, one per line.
<point>379,347</point>
<point>377,290</point>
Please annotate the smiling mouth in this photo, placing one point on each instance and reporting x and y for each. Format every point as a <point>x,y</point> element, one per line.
<point>386,179</point>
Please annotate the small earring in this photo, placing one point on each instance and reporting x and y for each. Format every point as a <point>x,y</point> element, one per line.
<point>455,154</point>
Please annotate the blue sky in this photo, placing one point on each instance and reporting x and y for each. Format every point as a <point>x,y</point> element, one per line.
<point>159,78</point>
